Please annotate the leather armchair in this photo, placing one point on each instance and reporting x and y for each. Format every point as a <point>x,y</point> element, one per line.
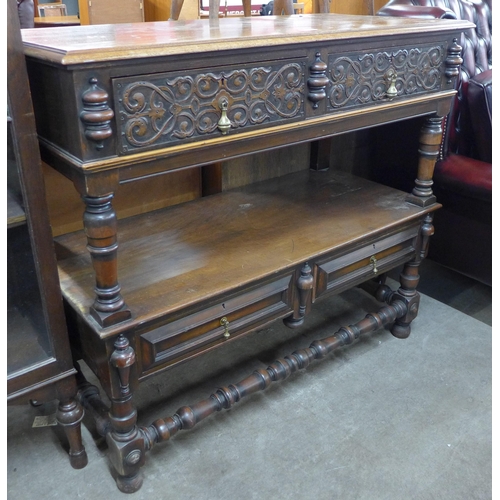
<point>463,174</point>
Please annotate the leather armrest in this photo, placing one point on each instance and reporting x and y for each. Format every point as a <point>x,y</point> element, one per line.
<point>465,176</point>
<point>479,97</point>
<point>418,11</point>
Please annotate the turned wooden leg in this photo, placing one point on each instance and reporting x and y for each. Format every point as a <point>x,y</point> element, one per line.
<point>69,416</point>
<point>430,141</point>
<point>126,444</point>
<point>100,226</point>
<point>304,286</point>
<point>409,279</point>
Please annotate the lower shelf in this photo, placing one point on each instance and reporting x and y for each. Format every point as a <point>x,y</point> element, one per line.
<point>207,271</point>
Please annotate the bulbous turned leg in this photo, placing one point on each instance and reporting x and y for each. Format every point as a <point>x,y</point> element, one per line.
<point>125,442</point>
<point>69,416</point>
<point>409,279</point>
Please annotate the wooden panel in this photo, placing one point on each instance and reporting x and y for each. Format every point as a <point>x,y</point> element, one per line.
<point>66,208</point>
<point>249,169</point>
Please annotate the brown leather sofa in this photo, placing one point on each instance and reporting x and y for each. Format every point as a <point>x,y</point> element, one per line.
<point>463,174</point>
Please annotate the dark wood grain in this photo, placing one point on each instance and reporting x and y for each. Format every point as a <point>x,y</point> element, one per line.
<point>39,360</point>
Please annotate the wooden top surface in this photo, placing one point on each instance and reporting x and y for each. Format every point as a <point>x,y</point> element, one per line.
<point>182,255</point>
<point>107,42</point>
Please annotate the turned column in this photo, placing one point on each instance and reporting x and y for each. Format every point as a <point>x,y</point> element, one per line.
<point>430,140</point>
<point>69,416</point>
<point>304,285</point>
<point>125,443</point>
<point>409,279</point>
<point>100,224</point>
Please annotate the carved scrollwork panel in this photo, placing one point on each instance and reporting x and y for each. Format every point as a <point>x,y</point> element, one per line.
<point>360,79</point>
<point>161,109</point>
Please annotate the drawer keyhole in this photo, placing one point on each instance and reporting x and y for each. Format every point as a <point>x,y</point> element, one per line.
<point>225,323</point>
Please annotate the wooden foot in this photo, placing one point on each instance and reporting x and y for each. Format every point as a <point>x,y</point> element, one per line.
<point>409,279</point>
<point>69,416</point>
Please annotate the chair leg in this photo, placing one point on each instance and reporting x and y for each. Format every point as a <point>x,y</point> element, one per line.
<point>175,9</point>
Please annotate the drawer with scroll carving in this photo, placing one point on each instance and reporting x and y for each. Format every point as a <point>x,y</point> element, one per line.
<point>184,337</point>
<point>162,109</point>
<point>357,79</point>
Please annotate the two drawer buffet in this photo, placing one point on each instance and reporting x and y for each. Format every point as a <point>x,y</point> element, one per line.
<point>119,103</point>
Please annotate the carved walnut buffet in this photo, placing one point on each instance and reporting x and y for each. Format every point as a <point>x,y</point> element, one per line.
<point>117,103</point>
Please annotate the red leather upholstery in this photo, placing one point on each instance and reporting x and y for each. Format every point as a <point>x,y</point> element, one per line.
<point>463,176</point>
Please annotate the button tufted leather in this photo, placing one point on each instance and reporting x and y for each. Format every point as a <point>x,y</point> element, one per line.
<point>463,176</point>
<point>476,53</point>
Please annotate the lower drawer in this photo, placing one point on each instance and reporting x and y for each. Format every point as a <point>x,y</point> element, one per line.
<point>342,272</point>
<point>185,337</point>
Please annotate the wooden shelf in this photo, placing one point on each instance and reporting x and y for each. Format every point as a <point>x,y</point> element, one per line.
<point>177,257</point>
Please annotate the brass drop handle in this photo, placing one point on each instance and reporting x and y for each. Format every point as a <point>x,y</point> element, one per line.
<point>225,323</point>
<point>224,124</point>
<point>373,262</point>
<point>391,77</point>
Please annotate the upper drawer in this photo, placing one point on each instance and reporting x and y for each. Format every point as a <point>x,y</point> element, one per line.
<point>361,78</point>
<point>162,109</point>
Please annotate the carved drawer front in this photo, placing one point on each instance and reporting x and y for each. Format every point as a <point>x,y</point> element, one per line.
<point>357,79</point>
<point>162,109</point>
<point>352,268</point>
<point>185,337</point>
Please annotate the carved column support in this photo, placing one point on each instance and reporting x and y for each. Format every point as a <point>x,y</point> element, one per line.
<point>409,279</point>
<point>304,285</point>
<point>430,140</point>
<point>96,115</point>
<point>224,398</point>
<point>317,81</point>
<point>125,442</point>
<point>100,224</point>
<point>426,231</point>
<point>453,61</point>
